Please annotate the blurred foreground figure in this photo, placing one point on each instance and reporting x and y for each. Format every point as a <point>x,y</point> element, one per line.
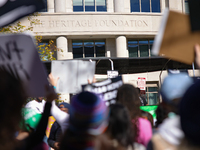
<point>12,99</point>
<point>37,105</point>
<point>88,119</point>
<point>119,134</point>
<point>128,96</point>
<point>56,132</point>
<point>169,133</point>
<point>189,114</point>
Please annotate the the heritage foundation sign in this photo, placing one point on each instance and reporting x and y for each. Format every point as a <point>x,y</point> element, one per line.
<point>76,23</point>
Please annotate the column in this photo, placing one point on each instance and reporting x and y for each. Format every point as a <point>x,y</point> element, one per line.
<point>110,47</point>
<point>110,5</point>
<point>176,5</point>
<point>69,5</point>
<point>121,47</point>
<point>119,5</point>
<point>50,6</point>
<point>61,44</point>
<point>60,6</point>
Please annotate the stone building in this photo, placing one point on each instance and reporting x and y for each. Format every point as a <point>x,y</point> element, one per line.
<point>107,28</point>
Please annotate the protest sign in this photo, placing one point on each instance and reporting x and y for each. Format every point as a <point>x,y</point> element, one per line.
<point>19,56</point>
<point>12,10</point>
<point>112,73</point>
<point>72,74</point>
<point>31,118</point>
<point>175,40</point>
<point>107,89</point>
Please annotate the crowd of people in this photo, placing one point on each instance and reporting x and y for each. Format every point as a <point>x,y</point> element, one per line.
<point>88,124</point>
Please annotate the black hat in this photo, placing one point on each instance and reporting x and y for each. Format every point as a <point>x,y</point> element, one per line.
<point>190,113</point>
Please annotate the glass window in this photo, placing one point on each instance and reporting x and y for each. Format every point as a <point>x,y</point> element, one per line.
<point>77,5</point>
<point>187,7</point>
<point>45,4</point>
<point>135,6</point>
<point>89,5</point>
<point>145,6</point>
<point>155,5</point>
<point>140,48</point>
<point>77,51</point>
<point>144,51</point>
<point>88,48</point>
<point>101,5</point>
<point>133,50</point>
<point>152,94</point>
<point>100,50</point>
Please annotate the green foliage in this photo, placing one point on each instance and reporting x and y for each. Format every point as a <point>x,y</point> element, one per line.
<point>46,51</point>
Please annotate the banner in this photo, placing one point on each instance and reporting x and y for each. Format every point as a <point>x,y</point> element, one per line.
<point>150,109</point>
<point>19,56</point>
<point>107,89</point>
<point>72,74</point>
<point>12,10</point>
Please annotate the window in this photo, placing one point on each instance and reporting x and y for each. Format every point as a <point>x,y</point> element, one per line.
<point>88,48</point>
<point>45,9</point>
<point>145,6</point>
<point>89,5</point>
<point>41,49</point>
<point>46,49</point>
<point>187,7</point>
<point>140,48</point>
<point>152,93</point>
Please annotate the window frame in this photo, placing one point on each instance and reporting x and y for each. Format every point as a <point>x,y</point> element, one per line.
<point>95,7</point>
<point>94,46</point>
<point>152,84</point>
<point>138,45</point>
<point>140,7</point>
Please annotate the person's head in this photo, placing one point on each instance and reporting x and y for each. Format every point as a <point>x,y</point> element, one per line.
<point>12,98</point>
<point>138,89</point>
<point>146,115</point>
<point>127,95</point>
<point>39,99</point>
<point>173,88</point>
<point>64,107</point>
<point>120,127</point>
<point>161,115</point>
<point>189,114</point>
<point>88,118</point>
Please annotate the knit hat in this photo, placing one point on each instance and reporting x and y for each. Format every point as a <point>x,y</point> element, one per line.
<point>88,114</point>
<point>190,112</point>
<point>174,86</point>
<point>66,105</point>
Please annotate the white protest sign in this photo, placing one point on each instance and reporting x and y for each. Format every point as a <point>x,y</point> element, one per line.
<point>19,56</point>
<point>107,89</point>
<point>142,83</point>
<point>72,74</point>
<point>112,73</point>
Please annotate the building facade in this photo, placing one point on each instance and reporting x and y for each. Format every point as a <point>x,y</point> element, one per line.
<point>107,28</point>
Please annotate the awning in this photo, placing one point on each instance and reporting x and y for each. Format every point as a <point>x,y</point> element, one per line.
<point>131,65</point>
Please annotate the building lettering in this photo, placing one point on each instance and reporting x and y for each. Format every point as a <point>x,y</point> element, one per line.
<point>95,23</point>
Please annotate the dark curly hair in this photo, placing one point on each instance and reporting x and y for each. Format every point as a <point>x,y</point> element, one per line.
<point>120,127</point>
<point>127,95</point>
<point>12,98</point>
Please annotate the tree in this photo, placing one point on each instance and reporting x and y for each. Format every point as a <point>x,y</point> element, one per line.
<point>46,51</point>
